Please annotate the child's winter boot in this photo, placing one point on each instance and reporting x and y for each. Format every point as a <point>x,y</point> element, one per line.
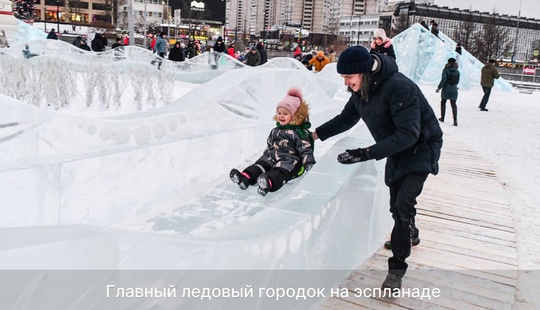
<point>242,179</point>
<point>264,184</point>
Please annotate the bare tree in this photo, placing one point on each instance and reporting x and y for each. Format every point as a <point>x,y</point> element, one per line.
<point>399,23</point>
<point>492,41</point>
<point>74,7</point>
<point>466,35</point>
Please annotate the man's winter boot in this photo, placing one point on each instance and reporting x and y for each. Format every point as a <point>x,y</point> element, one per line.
<point>242,179</point>
<point>264,184</point>
<point>415,242</point>
<point>392,282</point>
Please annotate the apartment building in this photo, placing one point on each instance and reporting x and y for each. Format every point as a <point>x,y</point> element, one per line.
<point>157,12</point>
<point>74,12</point>
<point>358,30</point>
<point>319,16</point>
<point>524,35</point>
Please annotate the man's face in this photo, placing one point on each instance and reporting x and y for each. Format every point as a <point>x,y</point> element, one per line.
<point>353,81</point>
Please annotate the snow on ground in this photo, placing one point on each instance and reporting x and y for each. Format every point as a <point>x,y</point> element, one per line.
<point>508,135</point>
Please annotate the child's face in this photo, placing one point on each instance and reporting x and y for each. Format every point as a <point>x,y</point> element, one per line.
<point>283,116</point>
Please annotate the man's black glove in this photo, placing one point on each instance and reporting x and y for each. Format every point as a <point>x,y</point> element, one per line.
<point>308,167</point>
<point>354,156</point>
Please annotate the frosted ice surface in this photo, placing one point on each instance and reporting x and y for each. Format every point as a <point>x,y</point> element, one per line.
<point>421,56</point>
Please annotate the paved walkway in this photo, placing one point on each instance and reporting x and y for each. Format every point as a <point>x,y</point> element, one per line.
<point>468,245</point>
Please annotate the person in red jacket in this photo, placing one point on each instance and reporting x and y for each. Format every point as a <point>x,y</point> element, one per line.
<point>230,50</point>
<point>297,53</point>
<point>153,40</point>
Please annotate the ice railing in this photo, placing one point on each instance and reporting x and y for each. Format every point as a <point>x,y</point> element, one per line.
<point>90,193</point>
<point>62,204</point>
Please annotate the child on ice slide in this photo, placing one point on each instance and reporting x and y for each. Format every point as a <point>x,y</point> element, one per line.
<point>289,150</point>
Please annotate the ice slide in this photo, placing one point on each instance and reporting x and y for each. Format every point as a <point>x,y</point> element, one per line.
<point>421,56</point>
<point>150,191</point>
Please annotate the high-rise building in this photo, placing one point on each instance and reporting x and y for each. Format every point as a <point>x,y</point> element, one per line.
<point>320,16</point>
<point>156,12</point>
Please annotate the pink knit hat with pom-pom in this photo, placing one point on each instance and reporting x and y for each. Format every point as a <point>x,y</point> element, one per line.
<point>292,101</point>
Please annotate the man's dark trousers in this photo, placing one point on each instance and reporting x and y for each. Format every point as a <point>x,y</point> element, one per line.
<point>403,194</point>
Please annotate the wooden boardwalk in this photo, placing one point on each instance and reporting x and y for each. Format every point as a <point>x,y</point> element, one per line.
<point>467,249</point>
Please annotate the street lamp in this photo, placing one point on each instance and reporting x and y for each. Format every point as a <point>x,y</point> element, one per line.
<point>58,15</point>
<point>516,36</point>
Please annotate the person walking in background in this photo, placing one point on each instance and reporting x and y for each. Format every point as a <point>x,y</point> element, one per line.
<point>230,50</point>
<point>458,49</point>
<point>190,50</point>
<point>487,79</point>
<point>160,48</point>
<point>118,43</point>
<point>219,46</point>
<point>52,35</point>
<point>161,45</point>
<point>297,53</point>
<point>262,52</point>
<point>406,133</point>
<point>97,43</point>
<point>319,62</point>
<point>85,46</point>
<point>448,84</point>
<point>77,41</point>
<point>332,56</point>
<point>382,44</point>
<point>253,58</point>
<point>3,39</point>
<point>289,148</point>
<point>152,42</point>
<point>423,23</point>
<point>434,28</point>
<point>176,53</point>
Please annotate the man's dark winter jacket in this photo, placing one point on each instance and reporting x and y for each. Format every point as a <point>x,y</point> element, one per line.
<point>176,53</point>
<point>262,52</point>
<point>97,43</point>
<point>253,59</point>
<point>400,120</point>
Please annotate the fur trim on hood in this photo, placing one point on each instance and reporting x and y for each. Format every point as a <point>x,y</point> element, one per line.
<point>301,115</point>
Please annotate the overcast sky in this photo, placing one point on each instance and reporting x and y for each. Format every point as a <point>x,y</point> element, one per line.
<point>529,8</point>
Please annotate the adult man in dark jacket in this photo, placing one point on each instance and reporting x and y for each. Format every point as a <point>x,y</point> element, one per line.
<point>97,43</point>
<point>487,80</point>
<point>52,35</point>
<point>406,132</point>
<point>253,58</point>
<point>219,46</point>
<point>262,52</point>
<point>77,41</point>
